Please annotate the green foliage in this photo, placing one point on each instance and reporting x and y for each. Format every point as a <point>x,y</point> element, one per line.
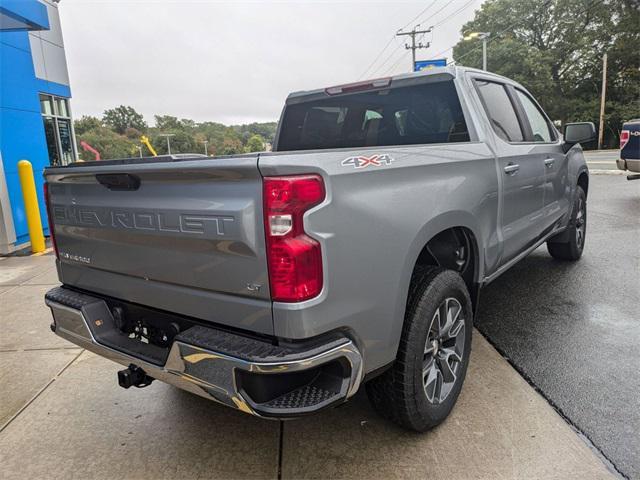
<point>123,117</point>
<point>181,142</point>
<point>266,130</point>
<point>555,47</point>
<point>119,132</point>
<point>86,123</point>
<point>109,143</point>
<point>230,146</point>
<point>255,144</point>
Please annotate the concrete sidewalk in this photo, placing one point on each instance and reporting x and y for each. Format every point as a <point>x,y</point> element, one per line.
<point>65,417</point>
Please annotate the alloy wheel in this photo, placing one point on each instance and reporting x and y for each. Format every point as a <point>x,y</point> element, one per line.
<point>443,350</point>
<point>581,223</point>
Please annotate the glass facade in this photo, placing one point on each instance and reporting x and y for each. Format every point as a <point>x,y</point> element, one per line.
<point>58,129</point>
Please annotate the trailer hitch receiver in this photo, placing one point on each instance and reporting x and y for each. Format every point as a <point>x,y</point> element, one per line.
<point>133,377</point>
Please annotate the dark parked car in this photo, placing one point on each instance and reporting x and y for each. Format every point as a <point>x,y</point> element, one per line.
<point>630,148</point>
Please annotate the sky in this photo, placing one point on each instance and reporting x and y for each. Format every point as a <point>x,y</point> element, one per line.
<point>235,61</point>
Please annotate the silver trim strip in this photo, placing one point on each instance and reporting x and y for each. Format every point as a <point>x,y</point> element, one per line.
<point>203,372</point>
<point>490,278</point>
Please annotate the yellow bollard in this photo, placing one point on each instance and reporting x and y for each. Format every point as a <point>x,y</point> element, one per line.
<point>32,211</point>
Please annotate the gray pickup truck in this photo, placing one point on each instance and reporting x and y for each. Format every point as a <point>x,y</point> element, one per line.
<point>279,283</point>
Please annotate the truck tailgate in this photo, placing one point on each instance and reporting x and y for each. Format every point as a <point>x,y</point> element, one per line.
<point>183,236</point>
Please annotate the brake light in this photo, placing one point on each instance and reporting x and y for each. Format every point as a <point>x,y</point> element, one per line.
<point>50,218</point>
<point>624,138</point>
<point>359,86</point>
<point>294,259</point>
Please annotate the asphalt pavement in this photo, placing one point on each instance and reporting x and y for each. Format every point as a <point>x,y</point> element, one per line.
<point>599,160</point>
<point>573,329</point>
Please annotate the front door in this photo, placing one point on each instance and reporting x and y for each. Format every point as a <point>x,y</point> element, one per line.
<point>548,149</point>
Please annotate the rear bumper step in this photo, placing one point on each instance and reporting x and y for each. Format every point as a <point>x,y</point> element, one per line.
<point>244,373</point>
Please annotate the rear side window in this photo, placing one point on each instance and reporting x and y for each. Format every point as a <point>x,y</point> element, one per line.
<point>500,110</point>
<point>540,127</point>
<point>429,113</point>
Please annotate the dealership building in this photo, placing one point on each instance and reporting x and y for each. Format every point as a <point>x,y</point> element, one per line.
<point>35,115</point>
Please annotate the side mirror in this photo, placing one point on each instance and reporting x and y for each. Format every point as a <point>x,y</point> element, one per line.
<point>582,132</point>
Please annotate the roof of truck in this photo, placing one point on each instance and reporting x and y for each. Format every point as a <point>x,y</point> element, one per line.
<point>450,71</point>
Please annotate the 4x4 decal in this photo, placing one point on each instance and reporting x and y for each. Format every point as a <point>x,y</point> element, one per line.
<point>363,162</point>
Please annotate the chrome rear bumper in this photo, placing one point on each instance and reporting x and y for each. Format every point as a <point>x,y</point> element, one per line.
<point>219,373</point>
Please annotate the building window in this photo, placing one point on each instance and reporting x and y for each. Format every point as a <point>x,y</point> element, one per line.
<point>58,129</point>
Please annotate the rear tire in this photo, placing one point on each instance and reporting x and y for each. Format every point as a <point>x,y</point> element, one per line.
<point>420,389</point>
<point>575,235</point>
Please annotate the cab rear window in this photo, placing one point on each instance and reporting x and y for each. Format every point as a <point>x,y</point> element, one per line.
<point>429,113</point>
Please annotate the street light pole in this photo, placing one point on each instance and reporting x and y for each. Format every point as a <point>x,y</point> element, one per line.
<point>482,36</point>
<point>206,142</point>
<point>168,136</point>
<point>484,53</point>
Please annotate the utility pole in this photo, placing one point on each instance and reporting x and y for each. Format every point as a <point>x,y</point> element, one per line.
<point>206,142</point>
<point>413,47</point>
<point>168,136</point>
<point>602,101</point>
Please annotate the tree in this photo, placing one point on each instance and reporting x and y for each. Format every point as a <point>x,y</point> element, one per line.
<point>86,123</point>
<point>266,130</point>
<point>123,117</point>
<point>255,144</point>
<point>165,123</point>
<point>107,142</point>
<point>229,146</point>
<point>554,48</point>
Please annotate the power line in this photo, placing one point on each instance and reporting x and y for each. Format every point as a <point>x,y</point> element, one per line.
<point>379,55</point>
<point>420,14</point>
<point>446,19</point>
<point>413,47</point>
<point>493,37</point>
<point>437,11</point>
<point>546,4</point>
<point>390,69</point>
<point>379,67</point>
<point>393,38</point>
<point>441,22</point>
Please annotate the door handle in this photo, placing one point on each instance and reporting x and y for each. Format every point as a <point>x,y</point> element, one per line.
<point>549,162</point>
<point>511,169</point>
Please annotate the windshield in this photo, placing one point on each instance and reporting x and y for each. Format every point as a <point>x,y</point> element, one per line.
<point>428,113</point>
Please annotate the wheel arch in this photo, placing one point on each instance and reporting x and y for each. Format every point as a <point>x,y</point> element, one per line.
<point>583,181</point>
<point>438,228</point>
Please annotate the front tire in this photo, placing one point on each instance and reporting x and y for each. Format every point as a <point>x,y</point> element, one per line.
<point>575,235</point>
<point>419,391</point>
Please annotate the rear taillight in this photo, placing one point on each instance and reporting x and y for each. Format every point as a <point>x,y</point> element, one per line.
<point>50,218</point>
<point>624,138</point>
<point>294,258</point>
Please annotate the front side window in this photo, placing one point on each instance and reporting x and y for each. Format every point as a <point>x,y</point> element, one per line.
<point>58,129</point>
<point>500,110</point>
<point>428,113</point>
<point>539,126</point>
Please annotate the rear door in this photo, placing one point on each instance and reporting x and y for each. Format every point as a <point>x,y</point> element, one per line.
<point>183,236</point>
<point>521,171</point>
